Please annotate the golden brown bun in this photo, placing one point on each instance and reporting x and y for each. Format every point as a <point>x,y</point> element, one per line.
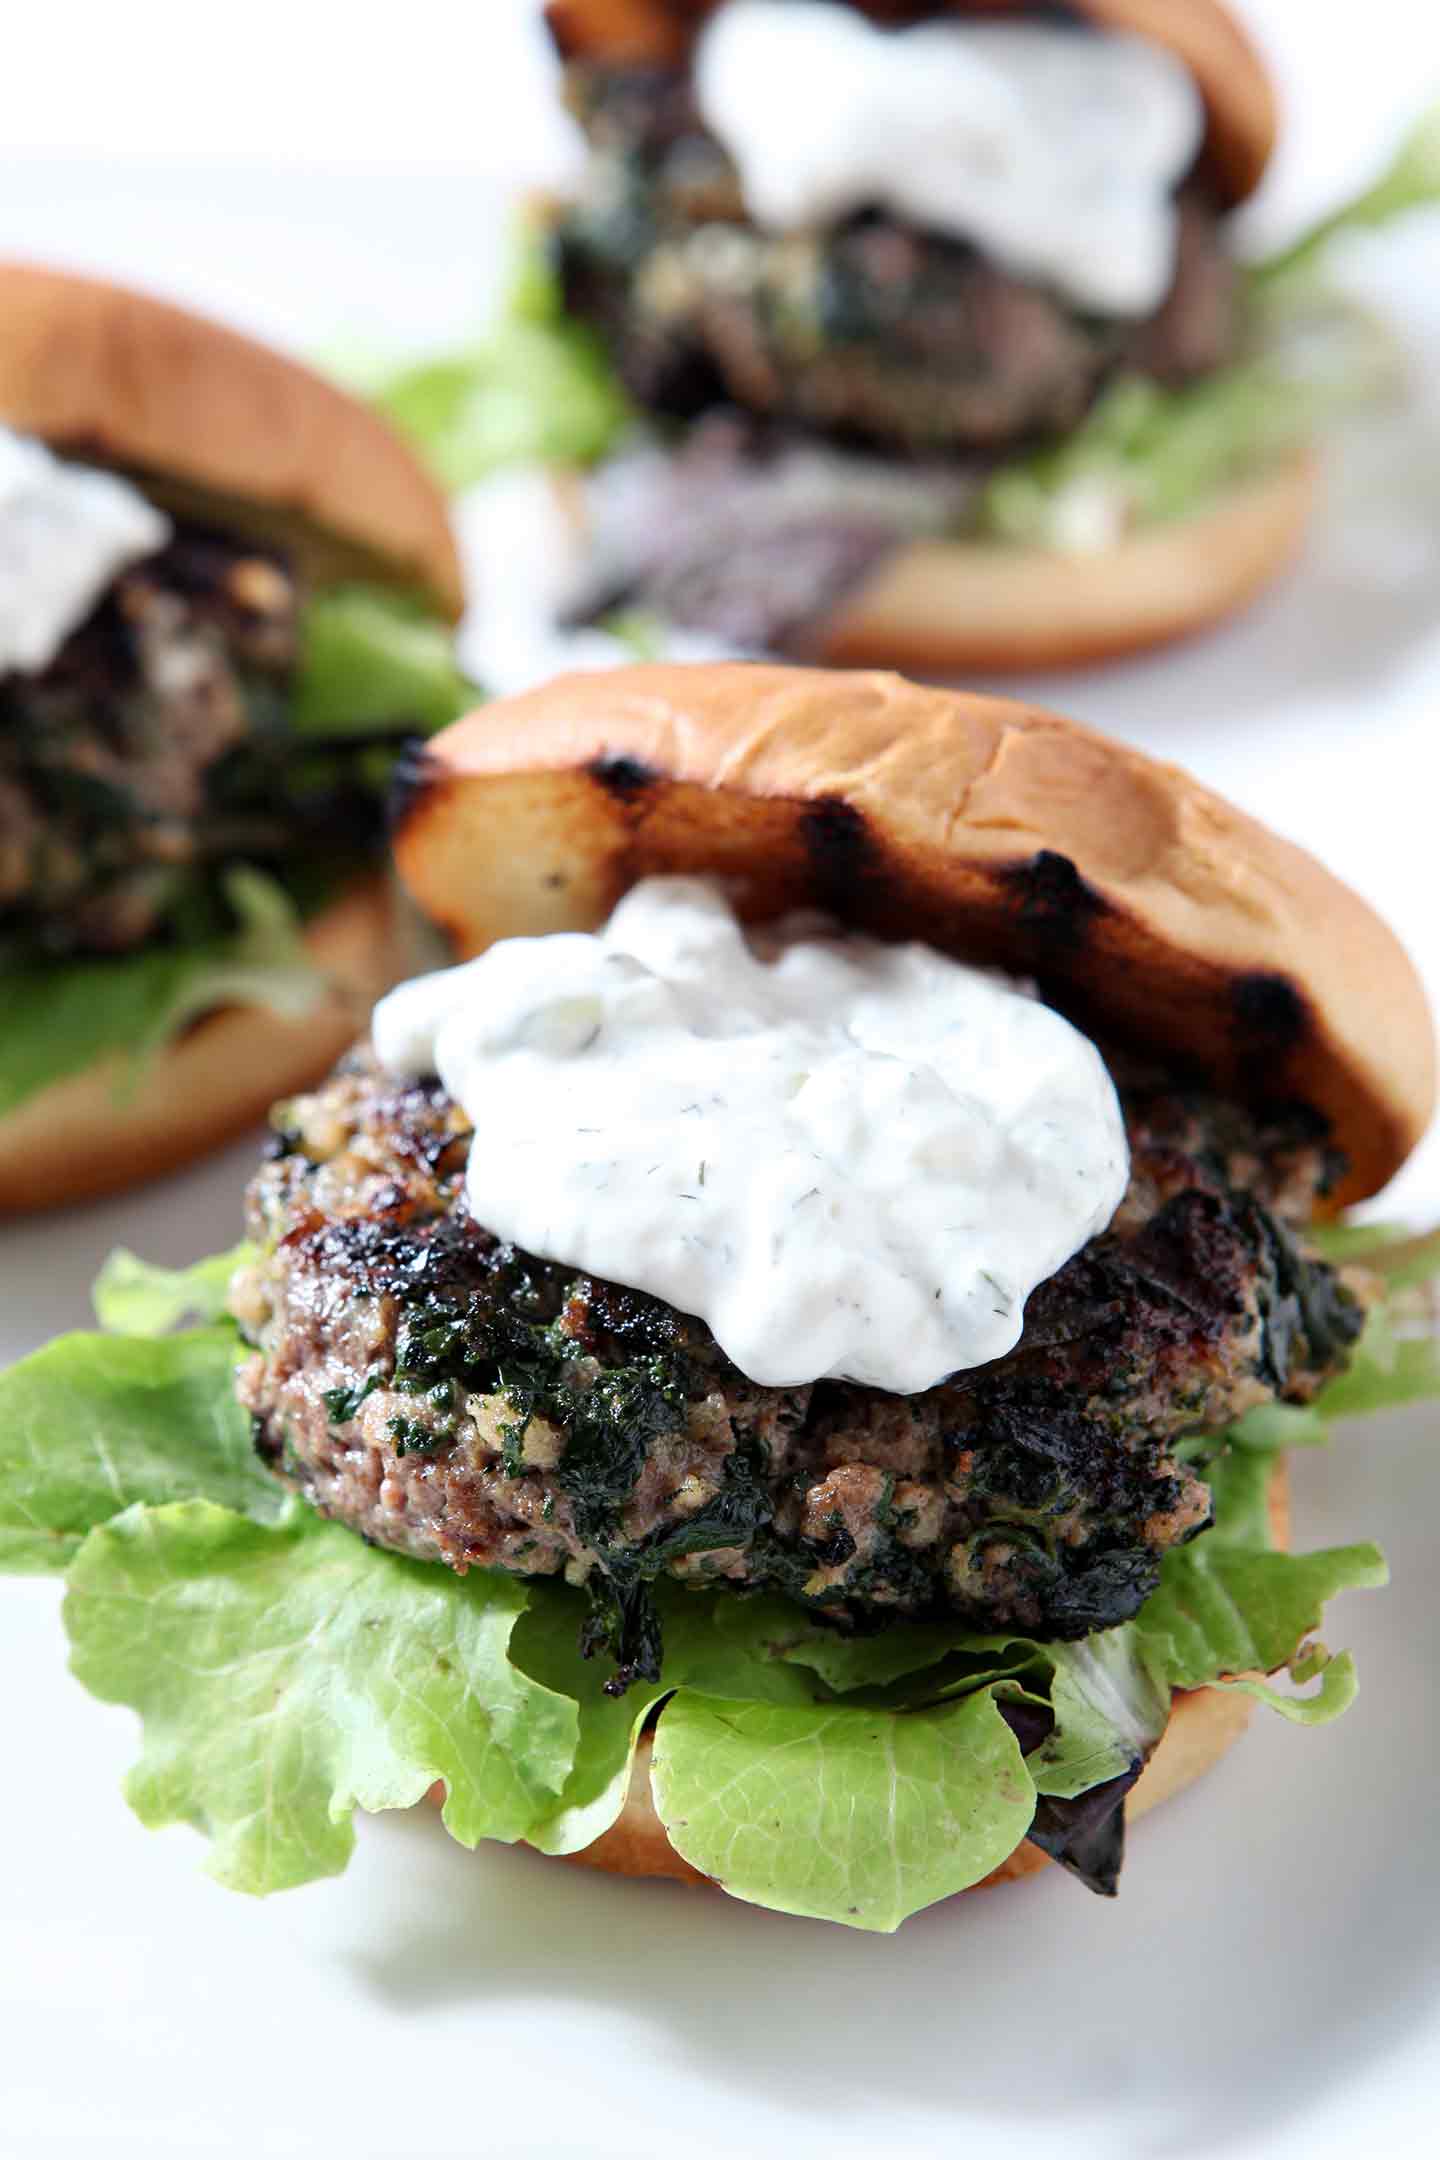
<point>94,1134</point>
<point>213,422</point>
<point>1148,909</point>
<point>957,607</point>
<point>1233,81</point>
<point>1202,1726</point>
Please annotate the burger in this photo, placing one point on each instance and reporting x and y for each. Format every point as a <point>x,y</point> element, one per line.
<point>227,591</point>
<point>913,334</point>
<point>776,1368</point>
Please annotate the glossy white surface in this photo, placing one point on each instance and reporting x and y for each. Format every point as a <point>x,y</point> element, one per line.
<point>1269,1983</point>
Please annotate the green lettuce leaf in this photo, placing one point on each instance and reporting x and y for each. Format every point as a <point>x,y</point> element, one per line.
<point>545,1646</point>
<point>1273,1426</point>
<point>862,1816</point>
<point>375,663</point>
<point>64,1016</point>
<point>133,1297</point>
<point>1223,1610</point>
<point>1338,1679</point>
<point>771,1627</point>
<point>287,1673</point>
<point>1398,1357</point>
<point>712,1646</point>
<point>1240,1474</point>
<point>1229,1606</point>
<point>1111,1699</point>
<point>93,1423</point>
<point>1395,1369</point>
<point>538,390</point>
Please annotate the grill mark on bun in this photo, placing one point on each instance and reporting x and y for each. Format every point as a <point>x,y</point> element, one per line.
<point>841,852</point>
<point>1054,901</point>
<point>626,778</point>
<point>1270,1011</point>
<point>1273,1022</point>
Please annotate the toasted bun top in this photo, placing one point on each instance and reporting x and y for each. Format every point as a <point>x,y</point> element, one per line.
<point>212,422</point>
<point>1155,915</point>
<point>1231,75</point>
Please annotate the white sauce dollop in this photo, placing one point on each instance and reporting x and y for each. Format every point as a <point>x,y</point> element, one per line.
<point>853,1160</point>
<point>1057,151</point>
<point>66,532</point>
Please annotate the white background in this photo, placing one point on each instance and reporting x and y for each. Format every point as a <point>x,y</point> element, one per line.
<point>1270,1981</point>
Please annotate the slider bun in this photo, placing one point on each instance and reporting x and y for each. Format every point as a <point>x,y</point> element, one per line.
<point>96,1132</point>
<point>1155,915</point>
<point>220,428</point>
<point>1232,78</point>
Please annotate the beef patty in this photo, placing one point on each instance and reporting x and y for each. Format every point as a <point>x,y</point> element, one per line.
<point>874,331</point>
<point>461,1401</point>
<point>157,745</point>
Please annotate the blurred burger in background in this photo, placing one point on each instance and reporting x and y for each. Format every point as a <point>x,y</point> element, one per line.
<point>883,332</point>
<point>226,592</point>
<point>871,255</point>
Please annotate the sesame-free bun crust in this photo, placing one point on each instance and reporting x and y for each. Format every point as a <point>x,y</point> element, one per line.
<point>96,1133</point>
<point>956,607</point>
<point>1149,910</point>
<point>213,424</point>
<point>1232,78</point>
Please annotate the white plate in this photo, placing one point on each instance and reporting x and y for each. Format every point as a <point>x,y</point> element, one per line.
<point>1269,1980</point>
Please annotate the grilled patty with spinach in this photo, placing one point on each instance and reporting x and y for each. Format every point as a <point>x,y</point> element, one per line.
<point>158,747</point>
<point>461,1401</point>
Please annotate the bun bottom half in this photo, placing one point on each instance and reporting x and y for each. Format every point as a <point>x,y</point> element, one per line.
<point>1204,1725</point>
<point>958,607</point>
<point>93,1133</point>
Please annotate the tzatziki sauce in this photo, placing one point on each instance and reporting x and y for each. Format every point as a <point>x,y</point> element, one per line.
<point>66,533</point>
<point>853,1160</point>
<point>1055,149</point>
